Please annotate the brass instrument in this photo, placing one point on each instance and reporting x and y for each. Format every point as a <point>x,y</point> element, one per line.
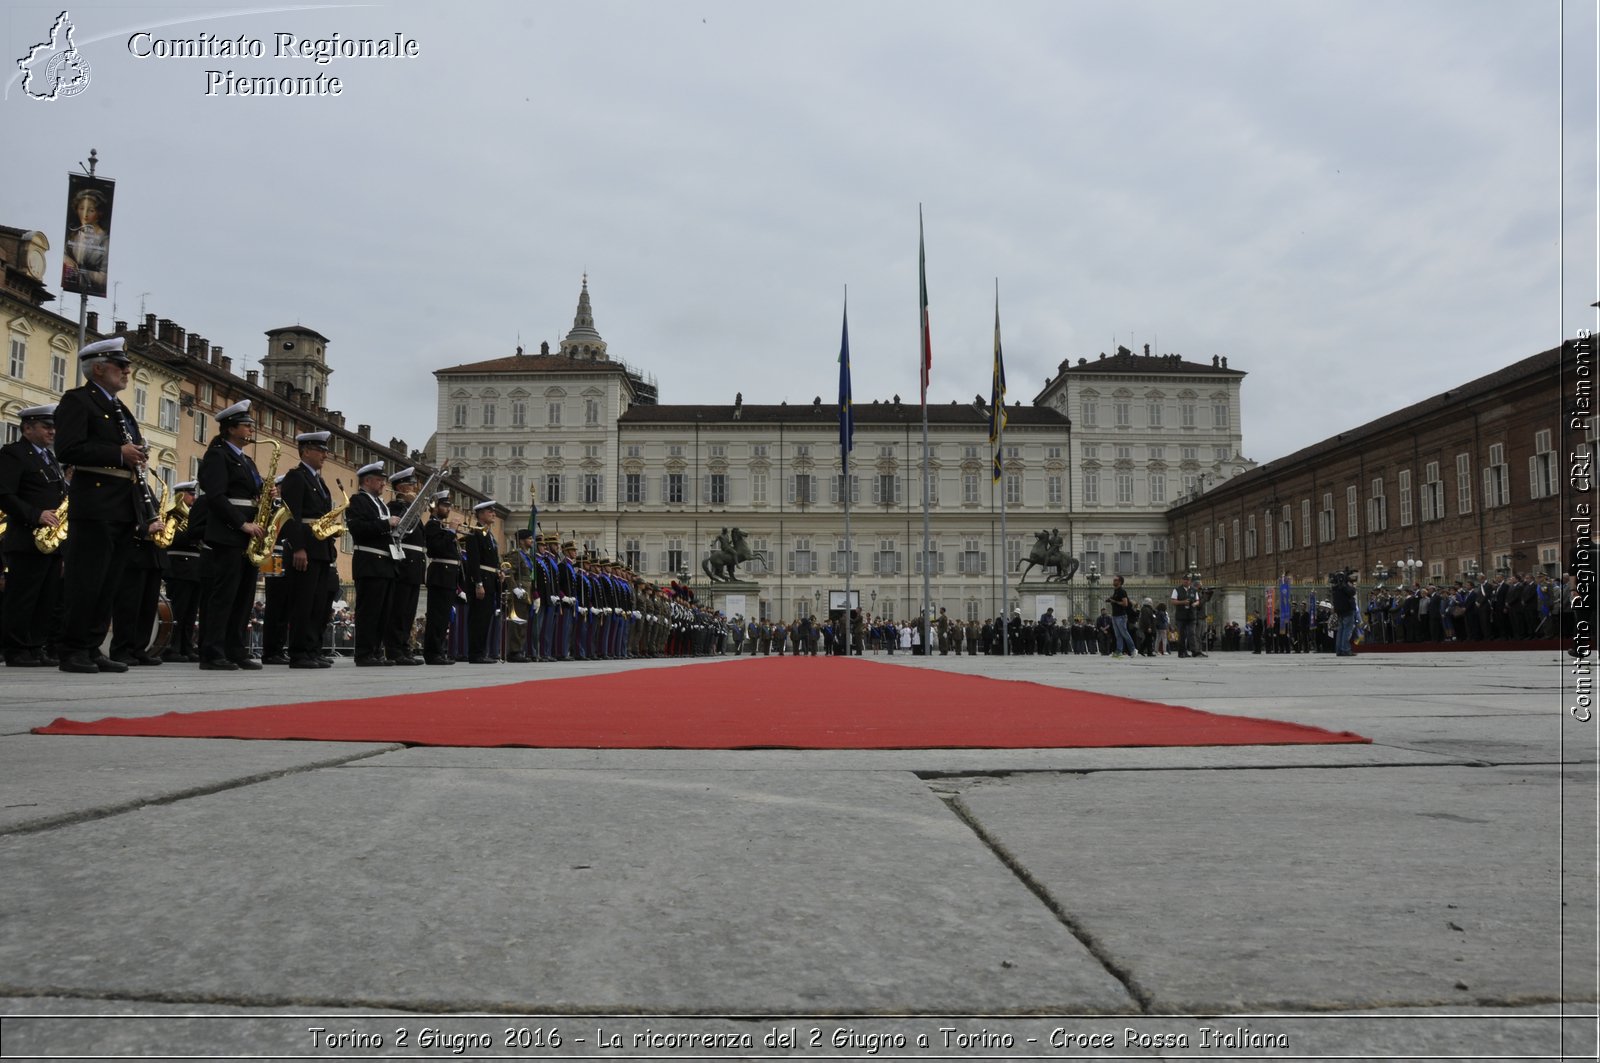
<point>511,598</point>
<point>271,515</point>
<point>3,523</point>
<point>48,540</point>
<point>169,527</point>
<point>176,519</point>
<point>329,524</point>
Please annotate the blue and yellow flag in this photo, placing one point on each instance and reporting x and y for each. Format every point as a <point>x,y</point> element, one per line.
<point>997,398</point>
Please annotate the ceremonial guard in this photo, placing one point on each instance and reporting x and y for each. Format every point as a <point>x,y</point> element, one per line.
<point>183,574</point>
<point>308,556</point>
<point>97,435</point>
<point>566,616</point>
<point>275,597</point>
<point>32,488</point>
<point>377,556</point>
<point>522,584</point>
<point>482,579</point>
<point>547,563</point>
<point>231,488</point>
<point>443,580</point>
<point>410,571</point>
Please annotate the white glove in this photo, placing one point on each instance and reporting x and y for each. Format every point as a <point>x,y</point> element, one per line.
<point>520,592</point>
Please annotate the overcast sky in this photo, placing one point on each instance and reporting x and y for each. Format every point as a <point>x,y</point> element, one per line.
<point>1360,204</point>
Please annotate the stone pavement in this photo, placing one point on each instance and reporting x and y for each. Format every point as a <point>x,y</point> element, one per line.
<point>1432,894</point>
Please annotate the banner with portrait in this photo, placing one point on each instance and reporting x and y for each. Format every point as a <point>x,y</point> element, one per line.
<point>86,254</point>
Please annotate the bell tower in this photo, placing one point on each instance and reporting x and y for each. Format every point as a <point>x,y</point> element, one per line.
<point>296,355</point>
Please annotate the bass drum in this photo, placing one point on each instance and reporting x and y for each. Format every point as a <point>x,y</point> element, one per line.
<point>161,637</point>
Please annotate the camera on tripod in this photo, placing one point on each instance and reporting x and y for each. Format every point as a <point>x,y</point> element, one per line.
<point>1341,577</point>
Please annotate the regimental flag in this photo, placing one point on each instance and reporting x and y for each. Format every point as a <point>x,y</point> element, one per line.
<point>922,278</point>
<point>997,396</point>
<point>847,418</point>
<point>533,520</point>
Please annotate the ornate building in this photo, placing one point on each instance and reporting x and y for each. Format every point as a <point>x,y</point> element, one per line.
<point>1149,430</point>
<point>581,436</point>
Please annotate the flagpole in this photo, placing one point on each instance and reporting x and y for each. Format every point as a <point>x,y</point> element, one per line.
<point>846,440</point>
<point>998,419</point>
<point>925,358</point>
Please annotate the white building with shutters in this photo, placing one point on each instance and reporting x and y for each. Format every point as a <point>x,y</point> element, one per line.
<point>582,436</point>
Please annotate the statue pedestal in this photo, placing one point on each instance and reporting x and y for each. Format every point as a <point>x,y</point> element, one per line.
<point>1067,598</point>
<point>734,597</point>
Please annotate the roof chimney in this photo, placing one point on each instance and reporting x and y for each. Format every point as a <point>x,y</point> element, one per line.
<point>252,377</point>
<point>92,321</point>
<point>364,431</point>
<point>227,364</point>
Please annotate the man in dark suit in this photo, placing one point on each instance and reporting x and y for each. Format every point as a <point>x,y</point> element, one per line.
<point>232,487</point>
<point>443,581</point>
<point>308,560</point>
<point>31,489</point>
<point>410,571</point>
<point>482,579</point>
<point>183,576</point>
<point>97,435</point>
<point>376,557</point>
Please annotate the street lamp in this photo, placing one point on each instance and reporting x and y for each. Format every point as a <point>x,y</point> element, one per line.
<point>1471,570</point>
<point>1381,573</point>
<point>1408,568</point>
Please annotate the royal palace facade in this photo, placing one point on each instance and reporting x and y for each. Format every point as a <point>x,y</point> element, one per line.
<point>1100,454</point>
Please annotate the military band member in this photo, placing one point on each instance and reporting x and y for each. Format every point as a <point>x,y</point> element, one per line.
<point>133,613</point>
<point>308,560</point>
<point>98,436</point>
<point>482,579</point>
<point>377,555</point>
<point>32,488</point>
<point>231,486</point>
<point>275,596</point>
<point>183,576</point>
<point>522,582</point>
<point>410,571</point>
<point>443,581</point>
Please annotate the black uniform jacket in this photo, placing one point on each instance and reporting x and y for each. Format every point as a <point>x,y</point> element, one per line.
<point>307,498</point>
<point>368,521</point>
<point>443,549</point>
<point>230,487</point>
<point>184,554</point>
<point>90,432</point>
<point>483,561</point>
<point>29,485</point>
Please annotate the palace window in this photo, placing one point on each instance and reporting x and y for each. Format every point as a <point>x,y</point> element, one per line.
<point>633,488</point>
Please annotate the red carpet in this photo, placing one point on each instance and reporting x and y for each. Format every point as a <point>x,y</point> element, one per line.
<point>756,703</point>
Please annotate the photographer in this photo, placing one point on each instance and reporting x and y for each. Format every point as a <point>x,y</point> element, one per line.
<point>1342,590</point>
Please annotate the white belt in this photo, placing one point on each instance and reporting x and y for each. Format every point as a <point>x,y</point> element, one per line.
<point>443,561</point>
<point>183,553</point>
<point>245,502</point>
<point>373,550</point>
<point>489,568</point>
<point>418,549</point>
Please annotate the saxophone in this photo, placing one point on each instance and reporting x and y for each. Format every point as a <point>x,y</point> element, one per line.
<point>269,515</point>
<point>329,524</point>
<point>176,519</point>
<point>169,526</point>
<point>48,540</point>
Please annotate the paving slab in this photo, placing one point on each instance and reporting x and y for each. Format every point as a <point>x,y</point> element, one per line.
<point>1313,889</point>
<point>50,779</point>
<point>617,891</point>
<point>58,1026</point>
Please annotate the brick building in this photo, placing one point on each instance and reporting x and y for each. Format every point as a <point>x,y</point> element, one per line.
<point>1470,480</point>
